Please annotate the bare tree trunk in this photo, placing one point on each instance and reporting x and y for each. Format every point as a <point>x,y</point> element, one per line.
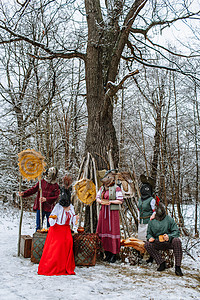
<point>101,135</point>
<point>197,169</point>
<point>157,136</point>
<point>144,148</point>
<point>121,142</point>
<point>178,177</point>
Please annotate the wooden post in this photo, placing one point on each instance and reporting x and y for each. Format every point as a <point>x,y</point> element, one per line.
<point>21,216</point>
<point>96,184</point>
<point>137,188</point>
<point>81,212</point>
<point>125,236</point>
<point>91,211</point>
<point>122,216</point>
<point>40,189</point>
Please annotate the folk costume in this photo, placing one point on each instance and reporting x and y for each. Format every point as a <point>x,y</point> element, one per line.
<point>58,257</point>
<point>146,206</point>
<point>50,191</point>
<point>108,227</point>
<point>158,228</point>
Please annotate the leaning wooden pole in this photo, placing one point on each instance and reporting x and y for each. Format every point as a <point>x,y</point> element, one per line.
<point>31,166</point>
<point>21,216</point>
<point>40,189</point>
<point>91,211</point>
<point>96,184</point>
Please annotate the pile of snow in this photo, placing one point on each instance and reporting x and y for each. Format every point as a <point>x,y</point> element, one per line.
<point>19,279</point>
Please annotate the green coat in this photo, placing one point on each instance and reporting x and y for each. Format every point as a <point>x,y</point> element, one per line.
<point>167,225</point>
<point>145,210</point>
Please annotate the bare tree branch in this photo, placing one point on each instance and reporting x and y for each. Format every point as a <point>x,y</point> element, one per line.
<point>171,52</point>
<point>54,54</point>
<point>43,107</point>
<point>113,88</point>
<point>164,22</point>
<point>145,63</point>
<point>10,41</point>
<point>60,54</point>
<point>123,36</point>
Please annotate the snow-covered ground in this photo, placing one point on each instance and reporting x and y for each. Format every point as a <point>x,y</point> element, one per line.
<point>19,279</point>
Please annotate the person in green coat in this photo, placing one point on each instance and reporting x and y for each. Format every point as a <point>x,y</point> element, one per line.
<point>163,234</point>
<point>146,205</point>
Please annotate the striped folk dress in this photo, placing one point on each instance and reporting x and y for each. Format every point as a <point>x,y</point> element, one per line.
<point>108,227</point>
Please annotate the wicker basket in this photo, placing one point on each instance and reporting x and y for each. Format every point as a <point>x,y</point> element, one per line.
<point>86,248</point>
<point>37,246</point>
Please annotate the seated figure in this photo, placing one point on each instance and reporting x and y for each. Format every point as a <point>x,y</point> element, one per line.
<point>162,234</point>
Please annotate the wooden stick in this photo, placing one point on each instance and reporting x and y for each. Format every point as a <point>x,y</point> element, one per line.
<point>81,167</point>
<point>96,184</point>
<point>125,236</point>
<point>91,211</point>
<point>136,186</point>
<point>40,189</point>
<point>91,219</point>
<point>131,210</point>
<point>110,159</point>
<point>21,216</point>
<point>124,220</point>
<point>81,213</point>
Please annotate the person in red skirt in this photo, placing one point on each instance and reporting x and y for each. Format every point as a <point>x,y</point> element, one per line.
<point>108,227</point>
<point>58,257</point>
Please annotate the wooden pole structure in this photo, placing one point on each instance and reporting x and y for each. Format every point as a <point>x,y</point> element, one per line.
<point>85,174</point>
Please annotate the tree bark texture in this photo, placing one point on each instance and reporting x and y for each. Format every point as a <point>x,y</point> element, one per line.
<point>104,48</point>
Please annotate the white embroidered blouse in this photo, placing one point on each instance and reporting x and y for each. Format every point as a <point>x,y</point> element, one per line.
<point>62,215</point>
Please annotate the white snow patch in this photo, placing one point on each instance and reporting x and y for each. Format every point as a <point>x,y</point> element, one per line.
<point>19,279</point>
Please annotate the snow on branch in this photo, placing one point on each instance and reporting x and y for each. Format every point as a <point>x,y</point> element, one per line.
<point>53,54</point>
<point>112,88</point>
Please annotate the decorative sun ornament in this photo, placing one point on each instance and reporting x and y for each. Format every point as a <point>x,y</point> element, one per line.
<point>31,164</point>
<point>85,191</point>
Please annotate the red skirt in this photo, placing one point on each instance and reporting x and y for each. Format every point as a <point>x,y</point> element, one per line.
<point>108,229</point>
<point>57,257</point>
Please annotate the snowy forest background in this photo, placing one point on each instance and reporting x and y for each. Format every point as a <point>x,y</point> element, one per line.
<point>43,96</point>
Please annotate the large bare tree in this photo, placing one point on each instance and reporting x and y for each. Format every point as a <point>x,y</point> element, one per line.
<point>113,26</point>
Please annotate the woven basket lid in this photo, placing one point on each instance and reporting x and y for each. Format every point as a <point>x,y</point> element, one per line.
<point>85,191</point>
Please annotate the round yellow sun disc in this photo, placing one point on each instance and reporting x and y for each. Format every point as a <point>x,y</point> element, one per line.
<point>31,164</point>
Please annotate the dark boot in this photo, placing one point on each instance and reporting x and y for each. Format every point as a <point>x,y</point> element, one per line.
<point>108,255</point>
<point>178,271</point>
<point>150,260</point>
<point>162,267</point>
<point>113,258</point>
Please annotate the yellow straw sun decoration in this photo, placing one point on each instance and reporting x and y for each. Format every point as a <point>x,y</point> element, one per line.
<point>31,164</point>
